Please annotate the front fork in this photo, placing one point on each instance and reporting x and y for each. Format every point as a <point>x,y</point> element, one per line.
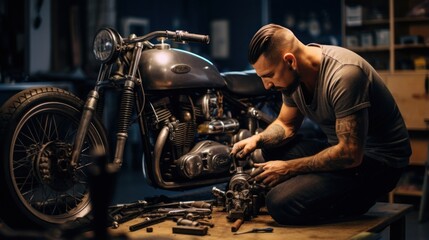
<point>126,109</point>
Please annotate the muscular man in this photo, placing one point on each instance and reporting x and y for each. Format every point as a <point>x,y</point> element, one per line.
<point>367,144</point>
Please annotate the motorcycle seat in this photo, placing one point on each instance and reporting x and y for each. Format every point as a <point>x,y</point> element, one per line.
<point>246,83</point>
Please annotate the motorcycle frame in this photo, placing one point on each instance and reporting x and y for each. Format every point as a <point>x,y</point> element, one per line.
<point>130,53</point>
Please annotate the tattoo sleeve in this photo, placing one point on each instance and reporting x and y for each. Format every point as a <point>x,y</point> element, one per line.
<point>272,136</point>
<point>351,132</point>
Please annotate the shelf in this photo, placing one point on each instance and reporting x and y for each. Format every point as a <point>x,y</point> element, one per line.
<point>411,46</point>
<point>369,49</point>
<point>408,72</point>
<point>417,164</point>
<point>412,20</point>
<point>406,192</point>
<point>386,22</point>
<point>387,42</point>
<point>370,22</point>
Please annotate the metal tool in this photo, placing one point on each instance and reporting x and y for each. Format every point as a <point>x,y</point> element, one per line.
<point>236,225</point>
<point>256,230</point>
<point>190,230</point>
<point>186,222</point>
<point>147,223</point>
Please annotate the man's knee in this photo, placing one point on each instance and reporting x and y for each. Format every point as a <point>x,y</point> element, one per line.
<point>290,209</point>
<point>285,209</point>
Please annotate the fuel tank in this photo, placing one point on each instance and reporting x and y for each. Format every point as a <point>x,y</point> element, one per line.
<point>164,68</point>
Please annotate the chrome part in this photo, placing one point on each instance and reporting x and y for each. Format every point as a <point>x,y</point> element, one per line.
<point>207,157</point>
<point>106,45</point>
<point>162,46</point>
<point>219,126</point>
<point>85,121</point>
<point>258,114</point>
<point>242,134</point>
<point>209,105</point>
<point>257,156</point>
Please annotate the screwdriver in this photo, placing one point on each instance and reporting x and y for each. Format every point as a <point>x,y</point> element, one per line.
<point>256,230</point>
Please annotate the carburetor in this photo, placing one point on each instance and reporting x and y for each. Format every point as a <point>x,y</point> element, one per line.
<point>243,198</point>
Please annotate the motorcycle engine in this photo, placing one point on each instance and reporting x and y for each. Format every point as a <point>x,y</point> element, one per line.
<point>200,135</point>
<point>206,157</point>
<point>216,122</point>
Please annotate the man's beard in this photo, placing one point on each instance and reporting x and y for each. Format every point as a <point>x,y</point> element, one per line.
<point>289,90</point>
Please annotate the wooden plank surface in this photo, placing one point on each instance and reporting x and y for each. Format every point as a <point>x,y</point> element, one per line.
<point>378,218</point>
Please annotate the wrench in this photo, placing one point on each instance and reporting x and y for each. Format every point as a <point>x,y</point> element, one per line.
<point>256,230</point>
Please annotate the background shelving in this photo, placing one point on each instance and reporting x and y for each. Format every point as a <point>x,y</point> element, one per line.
<point>393,35</point>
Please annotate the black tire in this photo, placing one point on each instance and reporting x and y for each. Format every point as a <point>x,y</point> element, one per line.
<point>38,186</point>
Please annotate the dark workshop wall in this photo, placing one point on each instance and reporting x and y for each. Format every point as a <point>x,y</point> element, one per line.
<point>244,17</point>
<point>312,21</point>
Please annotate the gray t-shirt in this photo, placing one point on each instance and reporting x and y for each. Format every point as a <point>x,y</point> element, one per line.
<point>346,84</point>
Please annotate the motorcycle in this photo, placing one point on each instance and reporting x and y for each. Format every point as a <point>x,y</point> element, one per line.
<point>188,112</point>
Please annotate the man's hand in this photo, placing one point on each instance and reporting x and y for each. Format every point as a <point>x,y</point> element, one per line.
<point>244,147</point>
<point>274,172</point>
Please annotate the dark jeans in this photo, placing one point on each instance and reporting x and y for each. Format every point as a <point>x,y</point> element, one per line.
<point>326,196</point>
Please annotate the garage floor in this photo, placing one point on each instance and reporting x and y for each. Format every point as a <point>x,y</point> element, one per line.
<point>131,187</point>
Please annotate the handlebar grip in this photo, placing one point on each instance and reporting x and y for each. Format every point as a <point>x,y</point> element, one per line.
<point>183,36</point>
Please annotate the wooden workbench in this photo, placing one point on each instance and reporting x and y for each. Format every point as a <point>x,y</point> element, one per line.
<point>381,216</point>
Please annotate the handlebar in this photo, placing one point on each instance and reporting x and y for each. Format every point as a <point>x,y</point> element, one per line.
<point>177,36</point>
<point>181,36</point>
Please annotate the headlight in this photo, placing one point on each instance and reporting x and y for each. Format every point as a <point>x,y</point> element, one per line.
<point>106,45</point>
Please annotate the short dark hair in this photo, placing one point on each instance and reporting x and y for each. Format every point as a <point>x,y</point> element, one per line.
<point>261,41</point>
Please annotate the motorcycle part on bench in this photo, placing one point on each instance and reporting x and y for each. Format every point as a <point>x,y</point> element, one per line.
<point>199,231</point>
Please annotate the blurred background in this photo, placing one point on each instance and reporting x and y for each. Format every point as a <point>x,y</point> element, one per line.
<point>52,38</point>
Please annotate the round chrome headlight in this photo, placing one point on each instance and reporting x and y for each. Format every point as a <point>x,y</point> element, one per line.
<point>106,45</point>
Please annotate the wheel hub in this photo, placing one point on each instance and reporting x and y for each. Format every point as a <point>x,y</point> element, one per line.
<point>52,165</point>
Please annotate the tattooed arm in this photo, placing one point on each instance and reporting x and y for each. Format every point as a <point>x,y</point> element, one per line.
<point>351,131</point>
<point>279,131</point>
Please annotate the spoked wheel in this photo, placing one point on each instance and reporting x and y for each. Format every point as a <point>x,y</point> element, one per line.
<point>38,184</point>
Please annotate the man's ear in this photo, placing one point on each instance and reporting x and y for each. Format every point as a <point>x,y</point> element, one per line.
<point>289,58</point>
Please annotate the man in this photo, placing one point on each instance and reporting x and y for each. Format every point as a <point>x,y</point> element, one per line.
<point>368,144</point>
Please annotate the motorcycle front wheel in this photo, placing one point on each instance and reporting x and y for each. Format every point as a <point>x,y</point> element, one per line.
<point>39,187</point>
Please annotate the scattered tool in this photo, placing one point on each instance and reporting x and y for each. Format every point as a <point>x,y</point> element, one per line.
<point>256,230</point>
<point>147,223</point>
<point>206,223</point>
<point>236,225</point>
<point>190,230</point>
<point>192,210</point>
<point>186,222</point>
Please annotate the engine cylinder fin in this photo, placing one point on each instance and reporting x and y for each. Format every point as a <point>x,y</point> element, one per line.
<point>163,115</point>
<point>184,137</point>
